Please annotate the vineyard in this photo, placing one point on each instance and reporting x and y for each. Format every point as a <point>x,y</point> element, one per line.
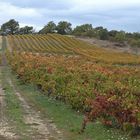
<point>101,83</point>
<point>58,44</point>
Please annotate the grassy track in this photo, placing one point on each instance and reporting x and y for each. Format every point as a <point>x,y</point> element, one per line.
<point>13,113</point>
<point>13,110</point>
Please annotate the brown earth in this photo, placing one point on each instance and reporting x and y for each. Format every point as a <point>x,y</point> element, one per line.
<point>111,45</point>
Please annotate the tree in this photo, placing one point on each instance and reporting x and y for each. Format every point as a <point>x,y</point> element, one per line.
<point>135,42</point>
<point>103,34</point>
<point>83,30</point>
<point>129,35</point>
<point>10,27</point>
<point>26,30</point>
<point>64,27</point>
<point>112,33</point>
<point>0,32</point>
<point>136,35</point>
<point>120,37</point>
<point>49,28</point>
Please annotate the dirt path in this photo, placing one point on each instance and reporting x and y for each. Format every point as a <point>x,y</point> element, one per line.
<point>41,129</point>
<point>5,128</point>
<point>6,132</point>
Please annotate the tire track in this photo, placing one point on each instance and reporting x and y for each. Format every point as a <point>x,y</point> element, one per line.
<point>41,129</point>
<point>5,128</point>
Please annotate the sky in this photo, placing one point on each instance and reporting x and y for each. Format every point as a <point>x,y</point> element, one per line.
<point>111,14</point>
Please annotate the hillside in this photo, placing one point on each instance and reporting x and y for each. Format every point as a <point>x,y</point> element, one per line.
<point>55,86</point>
<point>58,44</point>
<point>114,46</point>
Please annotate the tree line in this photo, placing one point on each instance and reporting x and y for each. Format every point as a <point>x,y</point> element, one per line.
<point>65,28</point>
<point>12,27</point>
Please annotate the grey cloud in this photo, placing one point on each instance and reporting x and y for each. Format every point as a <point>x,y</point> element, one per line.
<point>49,4</point>
<point>124,16</point>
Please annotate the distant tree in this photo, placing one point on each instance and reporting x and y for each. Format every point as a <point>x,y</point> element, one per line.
<point>136,35</point>
<point>26,30</point>
<point>0,31</point>
<point>99,28</point>
<point>135,42</point>
<point>10,27</point>
<point>64,27</point>
<point>120,37</point>
<point>112,33</point>
<point>129,35</point>
<point>103,34</point>
<point>83,30</point>
<point>49,28</point>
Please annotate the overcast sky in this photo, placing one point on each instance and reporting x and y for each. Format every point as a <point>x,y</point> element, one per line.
<point>112,14</point>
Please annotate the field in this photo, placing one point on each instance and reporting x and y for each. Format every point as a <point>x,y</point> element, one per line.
<point>102,84</point>
<point>58,44</point>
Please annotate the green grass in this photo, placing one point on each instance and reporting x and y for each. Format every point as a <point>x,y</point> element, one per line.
<point>66,119</point>
<point>13,108</point>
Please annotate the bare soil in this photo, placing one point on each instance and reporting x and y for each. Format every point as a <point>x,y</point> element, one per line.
<point>5,128</point>
<point>111,45</point>
<point>41,128</point>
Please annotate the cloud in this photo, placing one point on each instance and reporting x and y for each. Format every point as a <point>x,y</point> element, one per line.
<point>37,28</point>
<point>30,16</point>
<point>117,14</point>
<point>49,4</point>
<point>11,10</point>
